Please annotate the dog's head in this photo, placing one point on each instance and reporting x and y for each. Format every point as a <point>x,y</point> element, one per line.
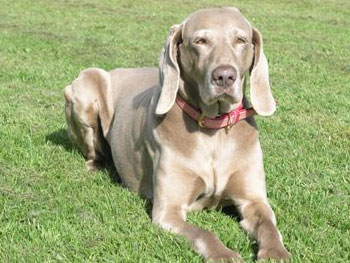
<point>212,51</point>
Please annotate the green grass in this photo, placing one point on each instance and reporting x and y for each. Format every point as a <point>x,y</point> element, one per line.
<point>52,210</point>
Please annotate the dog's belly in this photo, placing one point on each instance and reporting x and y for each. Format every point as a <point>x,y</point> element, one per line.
<point>131,157</point>
<point>129,135</point>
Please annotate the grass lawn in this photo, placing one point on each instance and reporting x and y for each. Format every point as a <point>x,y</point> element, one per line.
<point>53,210</point>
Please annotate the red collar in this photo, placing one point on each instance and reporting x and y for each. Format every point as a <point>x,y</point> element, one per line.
<point>222,121</point>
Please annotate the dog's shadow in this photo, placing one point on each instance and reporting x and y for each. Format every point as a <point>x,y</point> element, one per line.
<point>60,138</point>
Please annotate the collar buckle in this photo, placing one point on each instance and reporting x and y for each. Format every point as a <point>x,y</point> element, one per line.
<point>201,120</point>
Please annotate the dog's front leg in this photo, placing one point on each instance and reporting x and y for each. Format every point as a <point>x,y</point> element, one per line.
<point>247,190</point>
<point>173,193</point>
<point>259,220</point>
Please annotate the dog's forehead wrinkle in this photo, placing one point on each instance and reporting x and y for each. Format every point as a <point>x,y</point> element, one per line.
<point>239,32</point>
<point>229,31</point>
<point>202,32</point>
<point>221,18</point>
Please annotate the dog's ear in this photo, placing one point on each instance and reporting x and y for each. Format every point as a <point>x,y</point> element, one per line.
<point>169,72</point>
<point>260,91</point>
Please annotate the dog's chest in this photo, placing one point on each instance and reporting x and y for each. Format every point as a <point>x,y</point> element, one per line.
<point>224,157</point>
<point>213,195</point>
<point>221,160</point>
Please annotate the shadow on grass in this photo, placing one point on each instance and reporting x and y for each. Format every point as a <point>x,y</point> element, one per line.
<point>232,212</point>
<point>60,138</point>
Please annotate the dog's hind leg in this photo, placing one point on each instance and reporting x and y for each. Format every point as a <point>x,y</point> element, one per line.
<point>89,113</point>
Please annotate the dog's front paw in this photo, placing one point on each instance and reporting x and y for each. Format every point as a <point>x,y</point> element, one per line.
<point>279,253</point>
<point>226,257</point>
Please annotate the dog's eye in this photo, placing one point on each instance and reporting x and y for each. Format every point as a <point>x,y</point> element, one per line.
<point>200,41</point>
<point>241,40</point>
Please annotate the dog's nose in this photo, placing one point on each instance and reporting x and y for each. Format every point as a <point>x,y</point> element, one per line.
<point>224,76</point>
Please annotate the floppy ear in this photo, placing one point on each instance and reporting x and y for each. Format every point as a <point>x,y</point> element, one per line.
<point>169,72</point>
<point>260,91</point>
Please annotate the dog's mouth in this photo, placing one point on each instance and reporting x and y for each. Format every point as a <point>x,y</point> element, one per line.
<point>219,105</point>
<point>225,102</point>
<point>225,98</point>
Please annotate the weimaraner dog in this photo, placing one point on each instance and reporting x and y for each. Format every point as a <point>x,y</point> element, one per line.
<point>182,135</point>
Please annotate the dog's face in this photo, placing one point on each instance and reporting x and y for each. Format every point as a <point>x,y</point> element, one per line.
<point>212,51</point>
<point>215,55</point>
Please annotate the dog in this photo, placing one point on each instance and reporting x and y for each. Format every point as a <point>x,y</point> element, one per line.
<point>183,135</point>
